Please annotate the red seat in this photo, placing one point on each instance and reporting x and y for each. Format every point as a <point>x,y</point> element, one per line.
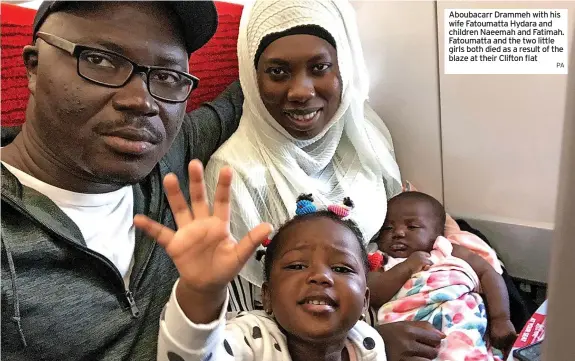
<point>216,64</point>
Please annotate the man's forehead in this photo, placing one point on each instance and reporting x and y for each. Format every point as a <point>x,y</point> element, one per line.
<point>132,34</point>
<point>195,22</point>
<point>123,13</point>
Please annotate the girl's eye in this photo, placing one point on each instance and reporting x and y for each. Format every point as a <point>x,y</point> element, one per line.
<point>342,269</point>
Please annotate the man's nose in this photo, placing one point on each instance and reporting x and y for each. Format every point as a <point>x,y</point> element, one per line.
<point>134,97</point>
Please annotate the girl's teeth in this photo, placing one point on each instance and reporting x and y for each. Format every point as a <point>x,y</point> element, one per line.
<point>314,302</point>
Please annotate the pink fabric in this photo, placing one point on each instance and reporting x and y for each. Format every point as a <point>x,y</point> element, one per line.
<point>446,296</point>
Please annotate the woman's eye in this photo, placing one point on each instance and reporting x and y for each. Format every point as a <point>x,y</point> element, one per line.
<point>321,67</point>
<point>276,71</point>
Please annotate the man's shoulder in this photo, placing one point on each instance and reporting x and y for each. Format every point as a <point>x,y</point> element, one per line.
<point>179,151</point>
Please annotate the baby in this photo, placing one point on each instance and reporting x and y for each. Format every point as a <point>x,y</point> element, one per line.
<point>425,277</point>
<point>314,296</point>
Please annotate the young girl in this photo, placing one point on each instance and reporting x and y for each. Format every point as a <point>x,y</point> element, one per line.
<point>425,277</point>
<point>314,295</point>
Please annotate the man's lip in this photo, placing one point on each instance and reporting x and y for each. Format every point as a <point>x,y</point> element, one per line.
<point>134,135</point>
<point>125,146</point>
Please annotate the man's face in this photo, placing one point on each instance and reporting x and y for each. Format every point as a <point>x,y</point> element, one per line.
<point>95,131</point>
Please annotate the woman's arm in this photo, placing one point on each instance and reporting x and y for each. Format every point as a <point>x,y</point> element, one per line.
<point>410,340</point>
<point>502,331</point>
<point>492,283</point>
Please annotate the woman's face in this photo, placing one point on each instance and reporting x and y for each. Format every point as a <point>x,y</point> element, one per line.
<point>300,84</point>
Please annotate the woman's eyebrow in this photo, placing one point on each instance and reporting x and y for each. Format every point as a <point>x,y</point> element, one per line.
<point>319,57</point>
<point>277,61</point>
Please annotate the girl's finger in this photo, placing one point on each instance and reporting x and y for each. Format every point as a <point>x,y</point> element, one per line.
<point>198,196</point>
<point>162,234</point>
<point>248,245</point>
<point>222,195</point>
<point>178,204</point>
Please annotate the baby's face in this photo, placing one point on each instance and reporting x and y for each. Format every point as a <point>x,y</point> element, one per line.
<point>409,226</point>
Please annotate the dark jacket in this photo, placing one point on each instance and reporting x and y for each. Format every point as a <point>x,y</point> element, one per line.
<point>62,301</point>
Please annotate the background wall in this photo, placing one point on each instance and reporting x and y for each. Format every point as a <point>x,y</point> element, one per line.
<point>501,142</point>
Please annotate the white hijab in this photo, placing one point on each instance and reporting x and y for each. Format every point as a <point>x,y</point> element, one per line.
<point>352,157</point>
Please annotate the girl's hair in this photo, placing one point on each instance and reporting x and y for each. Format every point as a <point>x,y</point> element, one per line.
<point>269,253</point>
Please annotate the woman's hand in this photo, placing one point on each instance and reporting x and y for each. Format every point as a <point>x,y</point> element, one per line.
<point>502,334</point>
<point>203,250</point>
<point>410,340</point>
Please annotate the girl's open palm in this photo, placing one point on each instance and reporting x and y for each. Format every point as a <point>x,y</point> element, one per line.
<point>203,250</point>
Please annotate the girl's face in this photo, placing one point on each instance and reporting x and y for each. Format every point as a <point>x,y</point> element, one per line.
<point>299,83</point>
<point>317,288</point>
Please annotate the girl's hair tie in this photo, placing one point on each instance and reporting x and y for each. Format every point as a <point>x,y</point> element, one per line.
<point>304,205</point>
<point>342,210</point>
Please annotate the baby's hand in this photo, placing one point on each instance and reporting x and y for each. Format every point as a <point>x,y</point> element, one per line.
<point>419,261</point>
<point>502,334</point>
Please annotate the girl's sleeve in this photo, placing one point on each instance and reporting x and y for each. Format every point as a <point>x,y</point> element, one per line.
<point>182,340</point>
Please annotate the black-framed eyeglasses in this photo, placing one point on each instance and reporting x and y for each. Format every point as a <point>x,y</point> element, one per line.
<point>113,70</point>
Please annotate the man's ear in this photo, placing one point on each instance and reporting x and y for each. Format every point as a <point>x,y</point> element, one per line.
<point>30,56</point>
<point>266,298</point>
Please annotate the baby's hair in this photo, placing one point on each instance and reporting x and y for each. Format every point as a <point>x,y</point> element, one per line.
<point>436,206</point>
<point>269,253</point>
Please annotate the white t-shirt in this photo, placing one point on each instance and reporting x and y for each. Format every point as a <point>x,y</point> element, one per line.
<point>105,219</point>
